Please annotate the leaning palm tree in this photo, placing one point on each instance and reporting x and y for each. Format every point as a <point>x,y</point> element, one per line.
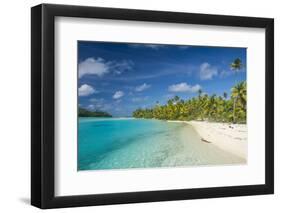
<point>238,95</point>
<point>200,103</point>
<point>236,65</point>
<point>243,95</point>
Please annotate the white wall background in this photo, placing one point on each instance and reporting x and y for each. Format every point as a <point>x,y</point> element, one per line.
<point>15,105</point>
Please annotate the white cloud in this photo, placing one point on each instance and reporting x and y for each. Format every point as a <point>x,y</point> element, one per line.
<point>183,47</point>
<point>99,104</point>
<point>207,72</point>
<point>99,67</point>
<point>92,66</point>
<point>86,90</point>
<point>195,88</point>
<point>142,87</point>
<point>118,94</point>
<point>158,46</point>
<point>90,107</point>
<point>225,73</point>
<point>118,67</point>
<point>184,87</point>
<point>152,46</point>
<point>96,100</point>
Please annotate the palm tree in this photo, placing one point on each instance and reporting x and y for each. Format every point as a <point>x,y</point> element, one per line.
<point>213,108</point>
<point>225,95</point>
<point>236,65</point>
<point>242,94</point>
<point>199,92</point>
<point>176,99</point>
<point>239,96</point>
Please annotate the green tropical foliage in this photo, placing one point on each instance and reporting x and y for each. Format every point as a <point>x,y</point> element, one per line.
<point>203,107</point>
<point>236,64</point>
<point>86,113</point>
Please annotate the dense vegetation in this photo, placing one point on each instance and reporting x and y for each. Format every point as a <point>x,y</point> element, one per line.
<point>204,107</point>
<point>86,113</point>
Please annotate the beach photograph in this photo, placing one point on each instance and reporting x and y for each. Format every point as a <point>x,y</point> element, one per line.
<point>144,106</point>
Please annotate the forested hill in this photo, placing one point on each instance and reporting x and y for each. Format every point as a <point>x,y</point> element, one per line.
<point>86,113</point>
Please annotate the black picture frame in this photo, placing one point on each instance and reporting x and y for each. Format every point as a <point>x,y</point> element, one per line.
<point>43,111</point>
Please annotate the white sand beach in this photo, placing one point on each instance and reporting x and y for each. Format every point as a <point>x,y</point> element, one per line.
<point>229,137</point>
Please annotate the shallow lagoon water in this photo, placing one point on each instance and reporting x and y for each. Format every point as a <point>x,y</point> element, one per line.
<point>122,143</point>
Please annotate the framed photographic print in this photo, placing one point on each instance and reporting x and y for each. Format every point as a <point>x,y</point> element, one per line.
<point>139,106</point>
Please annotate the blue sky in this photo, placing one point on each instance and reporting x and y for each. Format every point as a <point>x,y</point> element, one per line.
<point>121,77</point>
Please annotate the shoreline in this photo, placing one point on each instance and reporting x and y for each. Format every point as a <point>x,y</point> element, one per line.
<point>231,138</point>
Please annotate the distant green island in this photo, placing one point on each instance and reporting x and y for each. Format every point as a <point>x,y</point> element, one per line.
<point>87,113</point>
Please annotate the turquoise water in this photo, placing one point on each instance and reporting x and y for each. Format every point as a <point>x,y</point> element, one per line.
<point>116,143</point>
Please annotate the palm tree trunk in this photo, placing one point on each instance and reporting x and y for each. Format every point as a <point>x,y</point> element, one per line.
<point>235,99</point>
<point>234,107</point>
